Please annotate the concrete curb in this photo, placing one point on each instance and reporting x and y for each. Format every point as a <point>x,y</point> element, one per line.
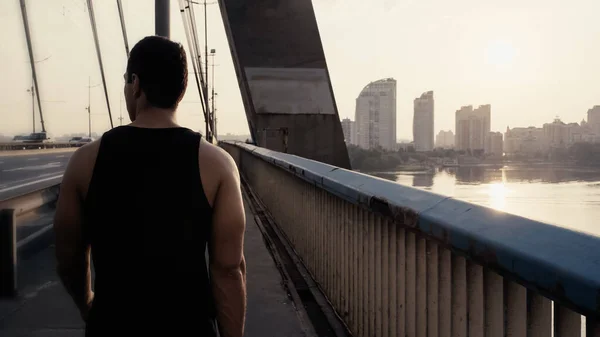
<point>36,241</point>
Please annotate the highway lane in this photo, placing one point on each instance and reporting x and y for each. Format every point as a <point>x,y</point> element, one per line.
<point>24,172</point>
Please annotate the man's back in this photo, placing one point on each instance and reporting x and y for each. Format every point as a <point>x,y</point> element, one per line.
<point>145,201</point>
<point>148,222</point>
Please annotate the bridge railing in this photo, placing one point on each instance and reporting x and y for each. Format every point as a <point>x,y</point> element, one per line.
<point>15,213</point>
<point>396,261</point>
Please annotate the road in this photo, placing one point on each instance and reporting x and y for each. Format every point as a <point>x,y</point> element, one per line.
<point>24,172</point>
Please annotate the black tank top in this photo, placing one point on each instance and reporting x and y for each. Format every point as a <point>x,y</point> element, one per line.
<point>148,222</point>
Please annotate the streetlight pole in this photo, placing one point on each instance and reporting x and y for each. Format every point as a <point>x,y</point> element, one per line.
<point>206,68</point>
<point>121,111</point>
<point>89,107</point>
<point>32,91</point>
<point>213,116</point>
<point>206,42</point>
<point>32,107</point>
<point>215,111</point>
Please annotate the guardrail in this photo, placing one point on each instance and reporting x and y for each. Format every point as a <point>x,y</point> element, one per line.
<point>397,261</point>
<point>12,212</point>
<point>28,146</point>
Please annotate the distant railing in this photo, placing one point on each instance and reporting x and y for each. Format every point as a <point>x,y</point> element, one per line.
<point>397,261</point>
<point>13,212</point>
<point>29,146</point>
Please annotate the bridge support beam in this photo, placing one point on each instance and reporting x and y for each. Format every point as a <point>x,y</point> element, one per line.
<point>283,77</point>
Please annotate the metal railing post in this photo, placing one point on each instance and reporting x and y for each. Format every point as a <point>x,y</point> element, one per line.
<point>8,253</point>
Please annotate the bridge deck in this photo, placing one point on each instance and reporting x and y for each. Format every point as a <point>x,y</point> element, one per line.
<point>44,308</point>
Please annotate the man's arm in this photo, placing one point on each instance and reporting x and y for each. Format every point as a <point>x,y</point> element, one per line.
<point>72,253</point>
<point>227,264</point>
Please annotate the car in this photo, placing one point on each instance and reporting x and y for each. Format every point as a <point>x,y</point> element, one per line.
<point>20,139</point>
<point>80,141</point>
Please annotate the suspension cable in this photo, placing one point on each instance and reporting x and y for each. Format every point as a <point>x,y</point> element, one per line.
<point>199,55</point>
<point>186,28</point>
<point>122,18</point>
<point>33,72</point>
<point>95,32</point>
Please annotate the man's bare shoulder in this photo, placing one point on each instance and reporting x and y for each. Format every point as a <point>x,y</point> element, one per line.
<point>217,167</point>
<point>84,154</point>
<point>81,165</point>
<point>217,158</point>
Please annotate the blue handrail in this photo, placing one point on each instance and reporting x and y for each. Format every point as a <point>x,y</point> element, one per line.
<point>561,264</point>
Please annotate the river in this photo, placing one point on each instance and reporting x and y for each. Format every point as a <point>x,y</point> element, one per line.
<point>565,197</point>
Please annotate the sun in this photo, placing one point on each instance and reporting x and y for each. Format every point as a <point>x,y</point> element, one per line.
<point>500,53</point>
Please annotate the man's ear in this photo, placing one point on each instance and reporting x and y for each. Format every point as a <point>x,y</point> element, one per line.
<point>135,81</point>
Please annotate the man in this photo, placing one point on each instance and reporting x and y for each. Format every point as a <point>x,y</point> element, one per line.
<point>146,200</point>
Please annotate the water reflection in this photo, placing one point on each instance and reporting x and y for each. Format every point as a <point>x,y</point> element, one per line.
<point>476,175</point>
<point>563,196</point>
<point>550,175</point>
<point>492,174</point>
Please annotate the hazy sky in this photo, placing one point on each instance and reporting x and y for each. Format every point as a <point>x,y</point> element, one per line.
<point>530,59</point>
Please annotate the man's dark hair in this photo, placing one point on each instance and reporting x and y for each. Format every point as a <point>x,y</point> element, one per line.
<point>161,66</point>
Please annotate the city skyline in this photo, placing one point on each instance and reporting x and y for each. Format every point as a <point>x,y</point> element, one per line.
<point>475,130</point>
<point>528,75</point>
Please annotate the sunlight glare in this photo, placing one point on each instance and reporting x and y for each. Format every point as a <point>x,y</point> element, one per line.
<point>500,53</point>
<point>497,193</point>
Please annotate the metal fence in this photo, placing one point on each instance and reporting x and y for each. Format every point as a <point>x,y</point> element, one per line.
<point>396,261</point>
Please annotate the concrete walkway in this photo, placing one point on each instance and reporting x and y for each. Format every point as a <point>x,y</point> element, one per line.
<point>44,309</point>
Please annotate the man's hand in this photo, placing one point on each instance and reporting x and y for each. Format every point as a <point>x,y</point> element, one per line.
<point>85,310</point>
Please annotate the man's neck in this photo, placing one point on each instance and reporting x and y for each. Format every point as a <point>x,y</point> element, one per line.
<point>156,118</point>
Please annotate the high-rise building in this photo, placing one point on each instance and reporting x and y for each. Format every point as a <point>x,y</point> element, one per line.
<point>556,134</point>
<point>348,126</point>
<point>593,121</point>
<point>462,138</point>
<point>423,122</point>
<point>376,115</point>
<point>444,139</point>
<point>594,115</point>
<point>472,127</point>
<point>561,135</point>
<point>529,140</point>
<point>494,144</point>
